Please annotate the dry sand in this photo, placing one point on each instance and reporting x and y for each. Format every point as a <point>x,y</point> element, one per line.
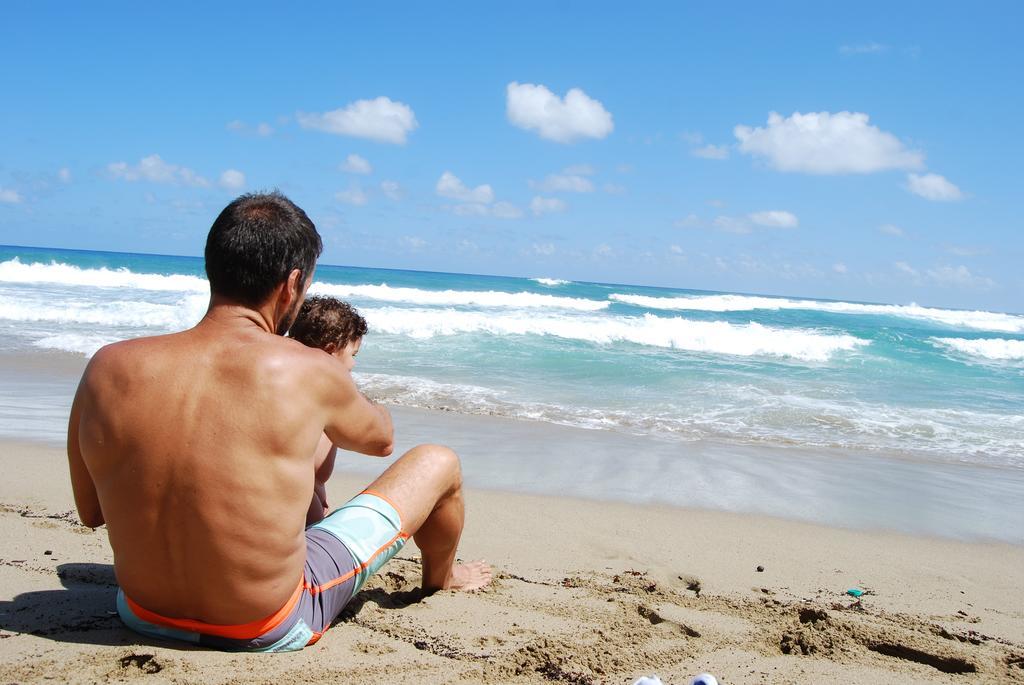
<point>586,592</point>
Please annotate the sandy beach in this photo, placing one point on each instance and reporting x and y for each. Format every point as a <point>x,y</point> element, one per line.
<point>586,592</point>
<point>719,308</point>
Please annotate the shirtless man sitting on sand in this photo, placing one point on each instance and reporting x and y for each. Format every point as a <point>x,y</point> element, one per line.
<point>198,451</point>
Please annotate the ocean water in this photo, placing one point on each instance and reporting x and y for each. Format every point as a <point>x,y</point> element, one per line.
<point>928,384</point>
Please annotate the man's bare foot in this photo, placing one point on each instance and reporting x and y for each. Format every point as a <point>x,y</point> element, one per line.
<point>472,575</point>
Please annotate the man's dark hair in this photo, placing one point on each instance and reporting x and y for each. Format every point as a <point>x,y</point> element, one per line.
<point>255,243</point>
<point>324,320</point>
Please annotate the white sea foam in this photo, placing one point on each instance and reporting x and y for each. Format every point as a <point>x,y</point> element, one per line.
<point>997,349</point>
<point>714,337</point>
<point>75,342</point>
<point>156,317</point>
<point>550,281</point>
<point>16,271</point>
<point>450,298</point>
<point>980,320</point>
<point>745,413</point>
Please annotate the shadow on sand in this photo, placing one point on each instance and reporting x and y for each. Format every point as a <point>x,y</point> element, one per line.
<point>84,611</point>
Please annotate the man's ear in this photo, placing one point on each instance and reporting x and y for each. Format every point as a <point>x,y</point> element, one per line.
<point>295,284</point>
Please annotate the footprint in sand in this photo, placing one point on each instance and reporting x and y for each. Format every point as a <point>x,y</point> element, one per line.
<point>657,619</point>
<point>145,663</point>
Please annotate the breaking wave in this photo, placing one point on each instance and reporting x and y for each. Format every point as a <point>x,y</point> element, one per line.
<point>714,337</point>
<point>451,298</point>
<point>980,320</point>
<point>995,349</point>
<point>151,316</point>
<point>16,271</point>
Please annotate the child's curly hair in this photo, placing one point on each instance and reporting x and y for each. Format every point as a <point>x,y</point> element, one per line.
<point>325,320</point>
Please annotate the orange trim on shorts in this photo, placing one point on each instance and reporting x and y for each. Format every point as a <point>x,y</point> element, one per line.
<point>393,505</point>
<point>245,631</point>
<point>316,589</point>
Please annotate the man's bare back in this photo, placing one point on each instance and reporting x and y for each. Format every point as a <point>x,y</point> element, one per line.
<point>219,462</point>
<point>198,451</point>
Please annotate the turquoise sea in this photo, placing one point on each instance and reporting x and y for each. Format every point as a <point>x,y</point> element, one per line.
<point>687,364</point>
<point>693,369</point>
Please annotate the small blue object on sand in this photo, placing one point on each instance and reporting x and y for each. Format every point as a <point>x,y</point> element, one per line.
<point>704,679</point>
<point>855,592</point>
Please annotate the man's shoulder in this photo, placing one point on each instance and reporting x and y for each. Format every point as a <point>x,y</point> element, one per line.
<point>121,351</point>
<point>279,351</point>
<point>121,363</point>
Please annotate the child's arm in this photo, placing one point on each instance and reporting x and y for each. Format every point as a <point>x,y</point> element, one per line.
<point>326,468</point>
<point>318,505</point>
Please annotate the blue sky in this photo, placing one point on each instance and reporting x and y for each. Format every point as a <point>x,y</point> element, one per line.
<point>866,151</point>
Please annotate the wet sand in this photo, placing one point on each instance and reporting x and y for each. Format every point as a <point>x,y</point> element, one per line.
<point>586,592</point>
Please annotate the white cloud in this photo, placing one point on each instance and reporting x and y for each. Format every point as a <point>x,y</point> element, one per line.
<point>716,203</point>
<point>906,268</point>
<point>264,129</point>
<point>156,170</point>
<point>505,210</point>
<point>946,276</point>
<point>826,143</point>
<point>839,268</point>
<point>891,229</point>
<point>711,152</point>
<point>381,119</point>
<point>675,249</point>
<point>689,221</point>
<point>604,250</point>
<point>391,190</point>
<point>614,189</point>
<point>863,49</point>
<point>471,209</point>
<point>563,120</point>
<point>563,183</point>
<point>477,201</point>
<point>499,210</point>
<point>232,179</point>
<point>741,225</point>
<point>933,187</point>
<point>354,164</point>
<point>546,205</point>
<point>64,174</point>
<point>352,196</point>
<point>959,276</point>
<point>544,249</point>
<point>966,250</point>
<point>9,196</point>
<point>775,218</point>
<point>450,186</point>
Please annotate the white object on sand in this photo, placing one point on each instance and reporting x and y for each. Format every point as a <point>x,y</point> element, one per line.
<point>704,679</point>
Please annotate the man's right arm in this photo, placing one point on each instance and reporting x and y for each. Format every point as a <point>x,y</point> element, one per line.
<point>86,500</point>
<point>354,422</point>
